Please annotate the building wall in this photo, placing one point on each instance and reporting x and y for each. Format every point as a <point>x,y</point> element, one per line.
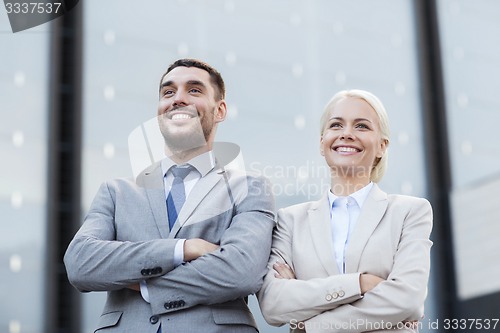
<point>282,61</point>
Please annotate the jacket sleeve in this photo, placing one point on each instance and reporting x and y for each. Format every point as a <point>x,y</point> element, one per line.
<point>292,300</point>
<point>233,271</point>
<point>96,261</point>
<point>401,297</point>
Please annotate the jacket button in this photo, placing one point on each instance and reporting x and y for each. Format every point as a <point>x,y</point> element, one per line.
<point>168,305</point>
<point>157,270</point>
<point>153,319</point>
<point>145,272</point>
<point>341,293</point>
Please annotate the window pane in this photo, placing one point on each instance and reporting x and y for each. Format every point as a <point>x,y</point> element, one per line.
<point>23,140</point>
<point>469,31</point>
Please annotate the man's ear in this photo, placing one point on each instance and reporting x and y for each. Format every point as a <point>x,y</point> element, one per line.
<point>221,112</point>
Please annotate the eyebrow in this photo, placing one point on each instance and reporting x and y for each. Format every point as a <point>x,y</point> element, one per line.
<point>189,83</point>
<point>355,120</point>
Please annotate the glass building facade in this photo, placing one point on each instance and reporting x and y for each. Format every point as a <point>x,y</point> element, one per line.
<point>23,142</point>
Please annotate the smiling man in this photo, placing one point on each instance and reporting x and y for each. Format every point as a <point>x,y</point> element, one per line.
<point>181,247</point>
<point>191,105</point>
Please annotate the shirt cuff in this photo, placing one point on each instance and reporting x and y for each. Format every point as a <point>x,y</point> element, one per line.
<point>144,290</point>
<point>178,259</point>
<point>179,252</point>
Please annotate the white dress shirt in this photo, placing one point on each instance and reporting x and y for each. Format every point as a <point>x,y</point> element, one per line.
<point>344,213</point>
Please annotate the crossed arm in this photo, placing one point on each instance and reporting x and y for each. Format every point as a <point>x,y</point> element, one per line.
<point>366,281</point>
<point>193,249</point>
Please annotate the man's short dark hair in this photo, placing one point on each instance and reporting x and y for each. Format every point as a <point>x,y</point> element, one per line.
<point>215,76</point>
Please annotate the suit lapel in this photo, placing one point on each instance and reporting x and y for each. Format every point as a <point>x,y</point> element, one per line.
<point>319,223</point>
<point>371,214</point>
<point>199,191</point>
<point>152,181</point>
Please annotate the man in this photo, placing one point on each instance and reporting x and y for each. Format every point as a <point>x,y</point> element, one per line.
<point>178,253</point>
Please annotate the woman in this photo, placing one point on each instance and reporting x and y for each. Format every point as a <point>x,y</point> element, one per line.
<point>358,259</point>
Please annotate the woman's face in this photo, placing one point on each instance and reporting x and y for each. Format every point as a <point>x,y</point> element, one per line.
<point>351,141</point>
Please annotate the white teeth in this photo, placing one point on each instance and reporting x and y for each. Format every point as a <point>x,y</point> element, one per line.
<point>180,116</point>
<point>346,149</point>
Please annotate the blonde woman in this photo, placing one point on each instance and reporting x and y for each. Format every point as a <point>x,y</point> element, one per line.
<point>358,259</point>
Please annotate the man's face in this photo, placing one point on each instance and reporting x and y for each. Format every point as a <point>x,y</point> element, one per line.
<point>188,111</point>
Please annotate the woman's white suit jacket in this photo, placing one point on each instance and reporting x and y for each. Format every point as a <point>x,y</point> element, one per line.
<point>390,240</point>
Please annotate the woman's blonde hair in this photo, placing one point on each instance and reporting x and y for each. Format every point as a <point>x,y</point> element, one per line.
<point>380,165</point>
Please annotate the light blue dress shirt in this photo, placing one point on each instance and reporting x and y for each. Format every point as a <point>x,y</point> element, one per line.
<point>344,213</point>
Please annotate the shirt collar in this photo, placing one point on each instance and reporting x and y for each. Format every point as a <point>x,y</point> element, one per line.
<point>203,163</point>
<point>360,195</point>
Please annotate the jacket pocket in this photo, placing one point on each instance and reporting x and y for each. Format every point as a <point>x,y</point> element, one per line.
<point>109,320</point>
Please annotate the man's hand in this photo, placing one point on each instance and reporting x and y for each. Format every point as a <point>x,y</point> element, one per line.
<point>283,271</point>
<point>196,247</point>
<point>135,287</point>
<point>368,281</point>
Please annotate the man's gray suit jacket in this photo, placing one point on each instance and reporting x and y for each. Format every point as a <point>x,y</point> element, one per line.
<point>125,239</point>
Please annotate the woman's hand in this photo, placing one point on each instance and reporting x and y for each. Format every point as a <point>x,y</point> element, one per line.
<point>283,271</point>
